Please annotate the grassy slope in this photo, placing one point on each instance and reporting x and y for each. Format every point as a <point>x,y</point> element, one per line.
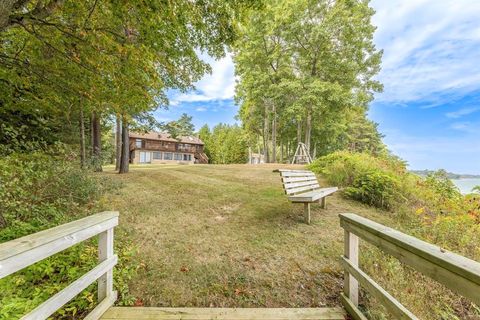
<point>227,236</point>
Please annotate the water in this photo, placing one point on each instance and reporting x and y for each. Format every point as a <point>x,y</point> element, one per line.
<point>466,185</point>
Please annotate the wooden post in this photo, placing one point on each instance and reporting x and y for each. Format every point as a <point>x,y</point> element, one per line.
<point>350,286</point>
<point>105,251</point>
<point>324,202</point>
<point>307,212</point>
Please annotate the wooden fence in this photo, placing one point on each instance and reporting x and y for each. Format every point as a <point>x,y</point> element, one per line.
<point>23,252</point>
<point>457,273</point>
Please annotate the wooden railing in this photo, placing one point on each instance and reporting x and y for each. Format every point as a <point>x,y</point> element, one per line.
<point>457,273</point>
<point>23,252</point>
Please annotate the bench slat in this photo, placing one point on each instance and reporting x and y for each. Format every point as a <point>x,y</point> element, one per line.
<point>288,186</point>
<point>296,179</point>
<point>298,174</point>
<point>312,196</point>
<point>301,189</point>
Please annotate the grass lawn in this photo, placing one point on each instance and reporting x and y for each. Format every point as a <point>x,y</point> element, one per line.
<point>226,236</point>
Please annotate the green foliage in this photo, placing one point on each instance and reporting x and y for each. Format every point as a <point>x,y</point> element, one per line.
<point>306,74</point>
<point>26,289</point>
<point>225,144</point>
<point>430,208</point>
<point>375,188</point>
<point>39,191</point>
<point>182,127</point>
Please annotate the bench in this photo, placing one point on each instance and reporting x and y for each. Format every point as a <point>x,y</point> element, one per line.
<point>301,186</point>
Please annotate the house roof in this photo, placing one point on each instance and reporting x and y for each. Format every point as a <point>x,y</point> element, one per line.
<point>160,136</point>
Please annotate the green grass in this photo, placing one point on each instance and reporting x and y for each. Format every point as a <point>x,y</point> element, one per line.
<point>226,236</point>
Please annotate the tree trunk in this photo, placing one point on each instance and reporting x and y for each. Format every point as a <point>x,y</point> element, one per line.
<point>125,158</point>
<point>299,131</point>
<point>91,137</point>
<point>265,136</point>
<point>82,139</point>
<point>118,142</point>
<point>308,130</point>
<point>281,151</point>
<point>97,142</point>
<point>274,134</point>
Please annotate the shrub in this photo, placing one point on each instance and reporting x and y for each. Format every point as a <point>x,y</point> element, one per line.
<point>376,188</point>
<point>372,180</point>
<point>38,191</point>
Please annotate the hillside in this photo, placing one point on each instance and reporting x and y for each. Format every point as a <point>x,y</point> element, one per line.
<point>226,236</point>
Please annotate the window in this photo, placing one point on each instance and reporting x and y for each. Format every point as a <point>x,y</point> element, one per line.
<point>145,157</point>
<point>184,146</point>
<point>178,156</point>
<point>187,157</point>
<point>138,143</point>
<point>157,155</point>
<point>167,156</point>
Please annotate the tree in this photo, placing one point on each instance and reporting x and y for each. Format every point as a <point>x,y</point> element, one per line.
<point>105,58</point>
<point>205,135</point>
<point>302,65</point>
<point>225,144</point>
<point>180,128</point>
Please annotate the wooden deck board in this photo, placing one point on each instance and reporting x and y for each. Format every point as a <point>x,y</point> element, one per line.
<point>224,313</point>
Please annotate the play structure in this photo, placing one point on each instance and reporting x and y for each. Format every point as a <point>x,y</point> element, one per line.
<point>301,155</point>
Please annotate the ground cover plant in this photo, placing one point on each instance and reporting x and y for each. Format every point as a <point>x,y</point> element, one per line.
<point>430,208</point>
<point>41,190</point>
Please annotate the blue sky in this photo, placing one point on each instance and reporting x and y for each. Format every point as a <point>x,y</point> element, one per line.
<point>430,108</point>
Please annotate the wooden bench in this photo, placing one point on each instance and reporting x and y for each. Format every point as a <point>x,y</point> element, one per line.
<point>302,186</point>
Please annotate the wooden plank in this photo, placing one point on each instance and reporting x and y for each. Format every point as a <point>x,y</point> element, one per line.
<point>458,273</point>
<point>17,246</point>
<point>307,212</point>
<point>46,243</point>
<point>297,179</point>
<point>105,252</point>
<point>50,306</point>
<point>102,307</point>
<point>351,248</point>
<point>141,313</point>
<point>312,196</point>
<point>288,186</point>
<point>298,174</point>
<point>301,189</point>
<point>351,309</point>
<point>385,299</point>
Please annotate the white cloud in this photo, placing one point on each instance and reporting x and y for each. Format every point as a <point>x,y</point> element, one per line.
<point>430,47</point>
<point>201,109</point>
<point>462,112</point>
<point>219,85</point>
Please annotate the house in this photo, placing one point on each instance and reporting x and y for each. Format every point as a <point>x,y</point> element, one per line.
<point>157,147</point>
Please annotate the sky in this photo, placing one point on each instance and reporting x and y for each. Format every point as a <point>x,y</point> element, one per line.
<point>429,110</point>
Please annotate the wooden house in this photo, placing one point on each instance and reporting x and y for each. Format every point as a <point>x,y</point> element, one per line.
<point>157,147</point>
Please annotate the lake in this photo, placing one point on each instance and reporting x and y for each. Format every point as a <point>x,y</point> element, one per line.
<point>466,185</point>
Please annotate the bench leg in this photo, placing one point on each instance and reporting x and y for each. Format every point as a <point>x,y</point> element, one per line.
<point>324,202</point>
<point>306,210</point>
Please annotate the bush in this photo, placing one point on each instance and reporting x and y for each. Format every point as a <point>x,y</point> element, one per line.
<point>376,188</point>
<point>39,191</point>
<point>372,180</point>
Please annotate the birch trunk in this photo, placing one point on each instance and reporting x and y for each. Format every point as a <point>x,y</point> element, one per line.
<point>82,139</point>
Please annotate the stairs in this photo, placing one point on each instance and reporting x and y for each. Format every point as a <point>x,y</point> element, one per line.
<point>201,158</point>
<point>223,313</point>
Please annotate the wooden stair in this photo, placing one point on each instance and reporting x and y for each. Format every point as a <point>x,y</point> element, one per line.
<point>201,157</point>
<point>224,313</point>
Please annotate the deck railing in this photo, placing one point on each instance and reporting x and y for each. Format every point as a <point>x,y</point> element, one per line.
<point>23,252</point>
<point>456,272</point>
